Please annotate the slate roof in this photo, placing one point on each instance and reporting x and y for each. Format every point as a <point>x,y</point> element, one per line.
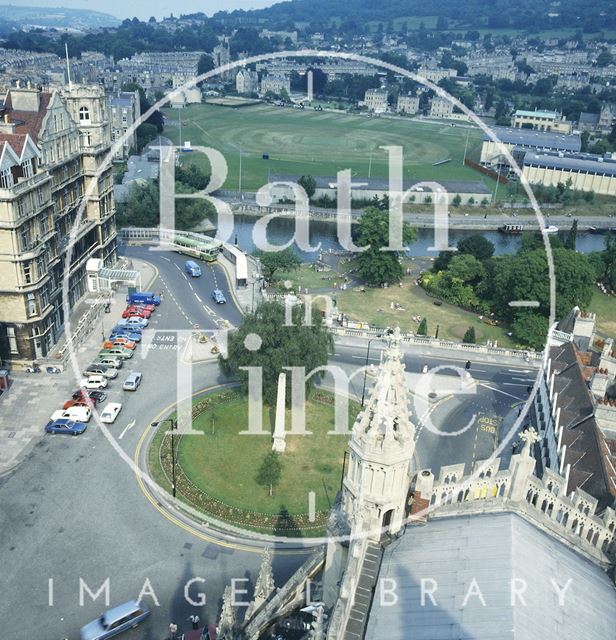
<point>493,549</point>
<point>589,118</point>
<point>537,139</point>
<point>582,162</point>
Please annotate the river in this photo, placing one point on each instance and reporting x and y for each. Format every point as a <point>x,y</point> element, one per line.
<point>281,230</point>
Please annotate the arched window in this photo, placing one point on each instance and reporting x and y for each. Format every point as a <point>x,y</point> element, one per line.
<point>84,114</point>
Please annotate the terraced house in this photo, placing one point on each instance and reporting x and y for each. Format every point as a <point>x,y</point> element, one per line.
<point>52,146</point>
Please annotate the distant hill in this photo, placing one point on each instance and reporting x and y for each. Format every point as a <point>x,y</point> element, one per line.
<point>525,15</point>
<point>19,17</point>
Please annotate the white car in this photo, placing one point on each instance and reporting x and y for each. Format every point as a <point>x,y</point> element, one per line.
<point>78,414</point>
<point>110,412</point>
<point>94,382</point>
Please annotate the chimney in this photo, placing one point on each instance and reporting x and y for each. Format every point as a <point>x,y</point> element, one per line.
<point>25,98</point>
<point>6,126</point>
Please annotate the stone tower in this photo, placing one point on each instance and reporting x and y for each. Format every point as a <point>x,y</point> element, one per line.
<point>373,500</point>
<point>381,448</point>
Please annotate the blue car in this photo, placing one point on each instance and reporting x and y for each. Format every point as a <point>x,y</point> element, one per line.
<point>130,335</point>
<point>218,296</point>
<point>65,426</point>
<point>121,328</point>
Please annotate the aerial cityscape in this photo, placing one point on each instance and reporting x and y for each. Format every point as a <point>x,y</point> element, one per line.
<point>324,294</point>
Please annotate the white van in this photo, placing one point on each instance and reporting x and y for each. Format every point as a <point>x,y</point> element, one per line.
<point>77,413</point>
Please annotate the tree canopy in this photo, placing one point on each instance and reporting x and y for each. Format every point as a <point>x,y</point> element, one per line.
<point>272,261</point>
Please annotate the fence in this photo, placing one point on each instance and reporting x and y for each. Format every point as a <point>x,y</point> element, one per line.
<point>488,172</point>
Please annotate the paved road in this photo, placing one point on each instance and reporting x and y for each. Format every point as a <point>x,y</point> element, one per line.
<point>73,510</point>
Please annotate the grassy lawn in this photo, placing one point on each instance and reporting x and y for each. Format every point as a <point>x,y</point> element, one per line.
<point>223,464</point>
<point>305,278</point>
<point>319,143</point>
<point>373,306</point>
<point>605,307</point>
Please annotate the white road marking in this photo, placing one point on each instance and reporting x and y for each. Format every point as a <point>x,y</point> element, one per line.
<point>198,298</point>
<point>129,426</point>
<point>487,386</point>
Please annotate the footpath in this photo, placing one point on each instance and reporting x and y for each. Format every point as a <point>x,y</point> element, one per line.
<point>32,397</point>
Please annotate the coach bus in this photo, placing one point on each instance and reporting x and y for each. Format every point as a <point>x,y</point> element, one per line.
<point>204,250</point>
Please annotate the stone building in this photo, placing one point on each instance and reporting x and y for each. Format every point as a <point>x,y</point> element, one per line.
<point>275,83</point>
<point>541,121</point>
<point>441,108</point>
<point>376,100</point>
<point>247,81</point>
<point>125,112</point>
<point>407,104</point>
<point>52,201</point>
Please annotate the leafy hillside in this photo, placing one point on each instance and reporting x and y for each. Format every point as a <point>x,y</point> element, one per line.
<point>55,17</point>
<point>497,14</point>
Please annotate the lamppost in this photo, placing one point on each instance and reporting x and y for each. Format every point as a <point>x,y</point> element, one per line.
<point>174,425</point>
<point>377,337</point>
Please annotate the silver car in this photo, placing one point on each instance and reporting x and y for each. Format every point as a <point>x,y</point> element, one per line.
<point>132,382</point>
<point>114,621</point>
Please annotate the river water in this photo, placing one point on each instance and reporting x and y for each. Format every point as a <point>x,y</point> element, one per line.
<point>280,231</point>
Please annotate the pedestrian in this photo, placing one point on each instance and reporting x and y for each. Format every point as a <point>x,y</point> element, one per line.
<point>194,620</point>
<point>173,629</point>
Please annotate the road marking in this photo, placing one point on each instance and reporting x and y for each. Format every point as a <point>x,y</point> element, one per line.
<point>198,298</point>
<point>129,426</point>
<point>487,386</point>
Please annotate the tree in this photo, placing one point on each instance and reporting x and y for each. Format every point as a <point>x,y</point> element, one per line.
<point>281,345</point>
<point>469,336</point>
<point>272,261</point>
<point>142,206</point>
<point>375,266</point>
<point>605,58</point>
<point>422,329</point>
<point>466,268</point>
<point>270,471</point>
<point>477,246</point>
<point>571,237</point>
<point>530,329</point>
<point>146,133</point>
<point>205,64</point>
<point>308,184</point>
<point>457,200</point>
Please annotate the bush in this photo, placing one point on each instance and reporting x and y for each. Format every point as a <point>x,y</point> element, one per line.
<point>469,336</point>
<point>422,329</point>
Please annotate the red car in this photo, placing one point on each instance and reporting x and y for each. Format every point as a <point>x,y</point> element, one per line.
<point>80,402</point>
<point>142,305</point>
<point>135,312</point>
<point>119,342</point>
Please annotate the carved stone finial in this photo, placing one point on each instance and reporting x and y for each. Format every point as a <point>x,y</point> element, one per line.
<point>530,436</point>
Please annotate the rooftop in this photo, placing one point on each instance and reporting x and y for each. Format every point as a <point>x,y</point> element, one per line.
<point>493,550</point>
<point>538,139</point>
<point>537,114</point>
<point>584,162</point>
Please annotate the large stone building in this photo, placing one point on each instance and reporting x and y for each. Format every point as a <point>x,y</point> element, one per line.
<point>275,83</point>
<point>408,105</point>
<point>376,100</point>
<point>52,146</point>
<point>441,108</point>
<point>125,112</point>
<point>247,82</point>
<point>541,121</point>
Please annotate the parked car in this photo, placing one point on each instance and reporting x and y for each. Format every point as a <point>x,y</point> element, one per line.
<point>110,412</point>
<point>123,329</point>
<point>81,402</point>
<point>119,342</point>
<point>65,426</point>
<point>97,369</point>
<point>143,296</point>
<point>120,352</point>
<point>112,362</point>
<point>94,382</point>
<point>218,296</point>
<point>97,396</point>
<point>132,382</point>
<point>142,305</point>
<point>131,312</point>
<point>77,413</point>
<point>114,621</point>
<point>134,321</point>
<point>124,332</point>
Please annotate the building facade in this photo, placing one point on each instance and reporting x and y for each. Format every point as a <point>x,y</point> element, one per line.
<point>275,83</point>
<point>541,121</point>
<point>56,211</point>
<point>441,108</point>
<point>247,81</point>
<point>376,100</point>
<point>125,112</point>
<point>408,105</point>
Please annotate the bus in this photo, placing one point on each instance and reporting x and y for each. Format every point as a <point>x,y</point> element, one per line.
<point>206,250</point>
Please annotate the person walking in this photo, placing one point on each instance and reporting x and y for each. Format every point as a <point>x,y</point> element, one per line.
<point>173,629</point>
<point>194,620</point>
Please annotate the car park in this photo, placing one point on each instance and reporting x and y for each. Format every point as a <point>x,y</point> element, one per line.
<point>94,382</point>
<point>218,296</point>
<point>97,369</point>
<point>143,296</point>
<point>111,362</point>
<point>114,621</point>
<point>120,352</point>
<point>65,426</point>
<point>119,342</point>
<point>132,382</point>
<point>77,413</point>
<point>110,412</point>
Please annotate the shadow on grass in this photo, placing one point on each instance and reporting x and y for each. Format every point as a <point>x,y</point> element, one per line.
<point>285,525</point>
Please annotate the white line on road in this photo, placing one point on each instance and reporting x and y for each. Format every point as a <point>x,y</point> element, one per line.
<point>129,426</point>
<point>487,386</point>
<point>198,298</point>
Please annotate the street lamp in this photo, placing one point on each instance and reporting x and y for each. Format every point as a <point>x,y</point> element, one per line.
<point>174,425</point>
<point>377,337</point>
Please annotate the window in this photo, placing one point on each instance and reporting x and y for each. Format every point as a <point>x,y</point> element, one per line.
<point>41,265</point>
<point>25,238</point>
<point>27,272</point>
<point>31,305</point>
<point>10,334</point>
<point>41,196</point>
<point>27,168</point>
<point>45,300</point>
<point>84,114</point>
<point>6,179</point>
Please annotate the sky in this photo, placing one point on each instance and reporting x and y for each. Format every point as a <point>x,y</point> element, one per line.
<point>143,9</point>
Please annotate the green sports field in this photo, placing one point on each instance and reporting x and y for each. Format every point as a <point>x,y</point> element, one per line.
<point>319,143</point>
